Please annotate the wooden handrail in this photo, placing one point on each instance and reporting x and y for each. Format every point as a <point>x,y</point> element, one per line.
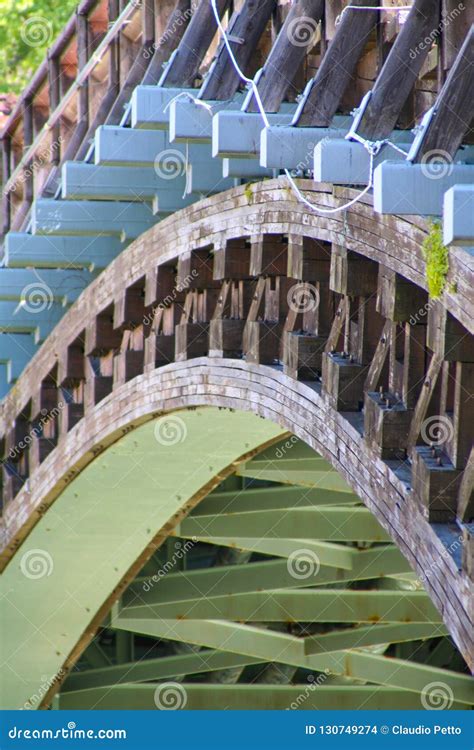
<point>82,76</point>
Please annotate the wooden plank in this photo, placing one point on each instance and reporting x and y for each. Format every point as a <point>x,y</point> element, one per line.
<point>465,510</point>
<point>423,403</point>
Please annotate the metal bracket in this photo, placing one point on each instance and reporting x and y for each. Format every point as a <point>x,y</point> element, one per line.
<point>420,133</point>
<point>358,115</point>
<point>302,102</point>
<point>249,94</point>
<point>235,39</point>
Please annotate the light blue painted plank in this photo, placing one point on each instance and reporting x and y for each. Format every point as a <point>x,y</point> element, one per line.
<point>237,134</point>
<point>18,283</point>
<point>150,108</point>
<point>406,188</point>
<point>191,120</point>
<point>22,250</point>
<point>16,350</point>
<point>18,318</point>
<point>91,218</point>
<point>97,182</point>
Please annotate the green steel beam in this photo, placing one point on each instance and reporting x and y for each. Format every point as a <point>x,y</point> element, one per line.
<point>324,480</point>
<point>46,612</point>
<point>271,498</point>
<point>161,586</point>
<point>371,635</point>
<point>145,670</point>
<point>335,524</point>
<point>306,605</point>
<point>243,697</point>
<point>327,553</point>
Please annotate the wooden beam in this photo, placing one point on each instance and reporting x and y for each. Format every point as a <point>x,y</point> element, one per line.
<point>196,40</point>
<point>400,71</point>
<point>465,510</point>
<point>293,42</point>
<point>454,107</point>
<point>246,27</point>
<point>338,65</point>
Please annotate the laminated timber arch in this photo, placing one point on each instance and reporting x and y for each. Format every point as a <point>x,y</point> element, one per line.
<point>213,289</point>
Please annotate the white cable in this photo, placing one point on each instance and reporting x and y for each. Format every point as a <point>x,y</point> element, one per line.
<point>250,81</point>
<point>400,9</point>
<point>373,147</point>
<point>189,97</point>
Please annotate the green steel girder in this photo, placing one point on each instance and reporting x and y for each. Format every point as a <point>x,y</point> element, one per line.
<point>245,697</point>
<point>233,579</point>
<point>370,635</point>
<point>44,618</point>
<point>177,665</point>
<point>303,605</point>
<point>334,555</point>
<point>335,524</point>
<point>271,498</point>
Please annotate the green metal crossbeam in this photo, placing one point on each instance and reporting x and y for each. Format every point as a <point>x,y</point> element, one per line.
<point>271,498</point>
<point>335,524</point>
<point>158,669</point>
<point>304,605</point>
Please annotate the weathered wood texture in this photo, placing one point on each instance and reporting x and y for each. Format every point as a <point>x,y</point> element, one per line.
<point>193,307</point>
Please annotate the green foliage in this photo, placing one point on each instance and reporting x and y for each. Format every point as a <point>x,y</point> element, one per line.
<point>27,29</point>
<point>436,256</point>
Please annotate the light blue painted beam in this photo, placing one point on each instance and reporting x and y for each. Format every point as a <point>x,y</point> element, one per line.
<point>4,384</point>
<point>16,350</point>
<point>287,147</point>
<point>191,120</point>
<point>116,146</point>
<point>173,200</point>
<point>237,134</point>
<point>348,163</point>
<point>150,106</point>
<point>205,177</point>
<point>127,220</point>
<point>245,169</point>
<point>17,318</point>
<point>20,283</point>
<point>405,188</point>
<point>23,250</point>
<point>458,215</point>
<point>97,182</point>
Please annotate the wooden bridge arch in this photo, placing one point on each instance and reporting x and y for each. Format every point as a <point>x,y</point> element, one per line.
<point>200,311</point>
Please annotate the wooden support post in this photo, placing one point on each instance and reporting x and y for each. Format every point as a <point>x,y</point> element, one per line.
<point>71,378</point>
<point>246,26</point>
<point>54,72</point>
<point>287,53</point>
<point>400,71</point>
<point>163,47</point>
<point>232,261</point>
<point>101,341</point>
<point>6,171</point>
<point>184,69</point>
<point>465,509</point>
<point>269,255</point>
<point>454,107</point>
<point>338,65</point>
